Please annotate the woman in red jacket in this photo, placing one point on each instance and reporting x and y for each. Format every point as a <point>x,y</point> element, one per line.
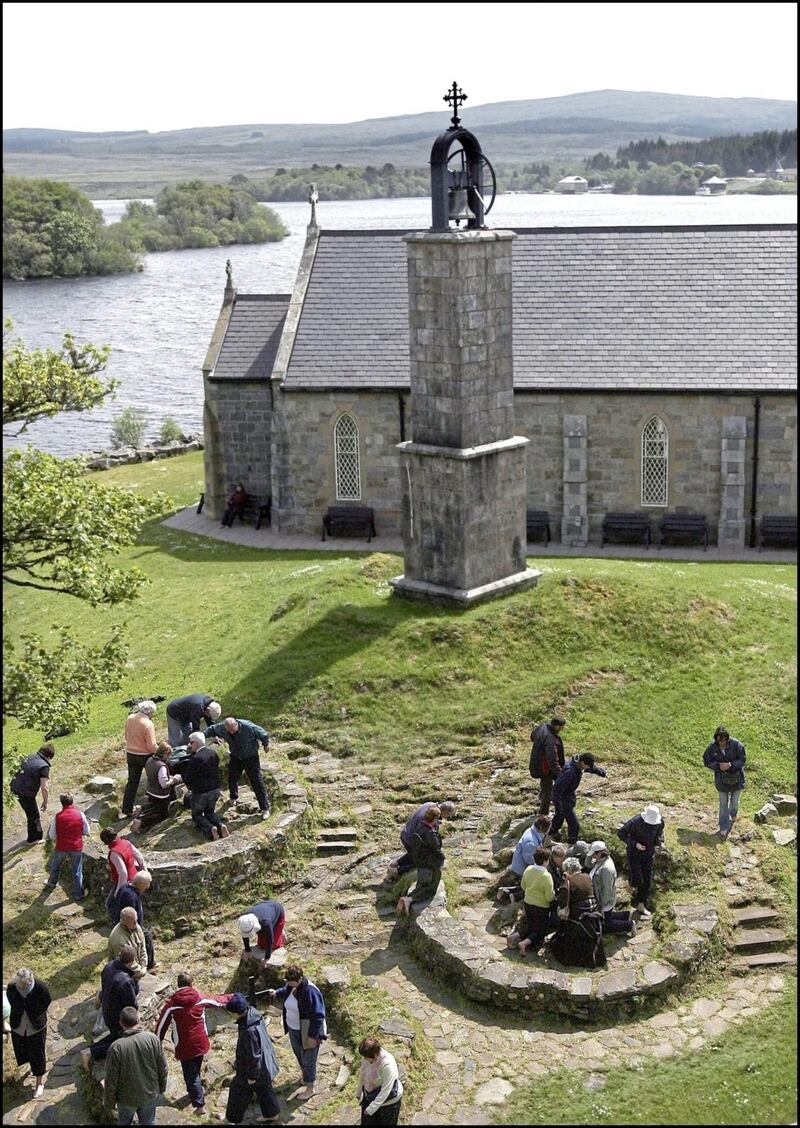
<point>185,1013</point>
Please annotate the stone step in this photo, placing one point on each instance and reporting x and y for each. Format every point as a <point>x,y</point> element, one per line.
<point>763,959</point>
<point>333,817</point>
<point>757,938</point>
<point>329,846</point>
<point>752,914</point>
<point>343,833</point>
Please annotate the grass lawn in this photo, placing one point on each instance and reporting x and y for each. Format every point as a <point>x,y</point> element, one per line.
<point>644,658</point>
<point>745,1077</point>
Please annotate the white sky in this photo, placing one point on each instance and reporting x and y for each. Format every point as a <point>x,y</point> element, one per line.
<point>173,66</point>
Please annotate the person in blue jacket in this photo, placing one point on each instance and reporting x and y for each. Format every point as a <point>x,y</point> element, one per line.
<point>565,796</point>
<point>725,757</point>
<point>304,1022</point>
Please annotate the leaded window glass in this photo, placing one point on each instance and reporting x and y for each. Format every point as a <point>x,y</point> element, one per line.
<point>655,451</point>
<point>348,471</point>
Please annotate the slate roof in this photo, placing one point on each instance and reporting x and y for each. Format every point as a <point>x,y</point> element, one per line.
<point>638,308</point>
<point>251,340</point>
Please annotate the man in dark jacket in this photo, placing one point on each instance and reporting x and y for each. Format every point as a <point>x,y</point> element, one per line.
<point>641,835</point>
<point>428,859</point>
<point>200,773</point>
<point>256,1065</point>
<point>34,776</point>
<point>405,864</point>
<point>304,1021</point>
<point>565,794</point>
<point>243,738</point>
<point>186,714</point>
<point>130,896</point>
<point>725,757</point>
<point>118,989</point>
<point>184,1014</point>
<point>136,1071</point>
<point>547,759</point>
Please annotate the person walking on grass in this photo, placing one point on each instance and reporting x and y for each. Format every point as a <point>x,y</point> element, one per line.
<point>256,1065</point>
<point>725,757</point>
<point>428,858</point>
<point>304,1021</point>
<point>380,1090</point>
<point>68,830</point>
<point>140,744</point>
<point>604,883</point>
<point>32,778</point>
<point>184,1016</point>
<point>405,864</point>
<point>547,759</point>
<point>642,834</point>
<point>136,1071</point>
<point>118,989</point>
<point>243,738</point>
<point>29,999</point>
<point>160,790</point>
<point>200,773</point>
<point>186,714</point>
<point>565,796</point>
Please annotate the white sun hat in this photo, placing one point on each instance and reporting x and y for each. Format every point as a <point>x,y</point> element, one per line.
<point>248,924</point>
<point>651,815</point>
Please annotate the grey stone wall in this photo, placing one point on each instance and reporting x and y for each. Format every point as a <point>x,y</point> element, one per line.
<point>237,427</point>
<point>303,470</point>
<point>303,481</point>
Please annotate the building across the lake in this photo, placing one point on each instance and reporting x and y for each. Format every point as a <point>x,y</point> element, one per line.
<point>571,185</point>
<point>654,371</point>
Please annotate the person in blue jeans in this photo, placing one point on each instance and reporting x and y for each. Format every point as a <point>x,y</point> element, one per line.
<point>304,1022</point>
<point>68,830</point>
<point>725,757</point>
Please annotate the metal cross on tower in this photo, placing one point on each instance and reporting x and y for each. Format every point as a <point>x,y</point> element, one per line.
<point>455,97</point>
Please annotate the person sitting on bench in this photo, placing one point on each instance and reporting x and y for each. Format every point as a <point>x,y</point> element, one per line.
<point>236,503</point>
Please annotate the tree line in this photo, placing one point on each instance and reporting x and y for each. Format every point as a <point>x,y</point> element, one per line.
<point>53,230</point>
<point>736,154</point>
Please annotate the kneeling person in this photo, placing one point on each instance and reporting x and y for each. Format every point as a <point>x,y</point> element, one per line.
<point>160,790</point>
<point>200,773</point>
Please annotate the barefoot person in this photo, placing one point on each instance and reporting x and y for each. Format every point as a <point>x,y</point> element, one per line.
<point>405,864</point>
<point>428,859</point>
<point>539,895</point>
<point>725,757</point>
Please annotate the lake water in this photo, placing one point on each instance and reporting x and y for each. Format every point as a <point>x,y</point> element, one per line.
<point>159,322</point>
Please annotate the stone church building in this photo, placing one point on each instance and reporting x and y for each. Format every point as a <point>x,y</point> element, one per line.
<point>654,371</point>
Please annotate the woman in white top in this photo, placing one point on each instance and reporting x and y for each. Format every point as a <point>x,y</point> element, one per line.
<point>380,1090</point>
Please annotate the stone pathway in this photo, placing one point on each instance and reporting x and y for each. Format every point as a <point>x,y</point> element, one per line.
<point>189,521</point>
<point>335,914</point>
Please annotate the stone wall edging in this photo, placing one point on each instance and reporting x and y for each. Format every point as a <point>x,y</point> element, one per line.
<point>452,953</point>
<point>177,871</point>
<point>107,459</point>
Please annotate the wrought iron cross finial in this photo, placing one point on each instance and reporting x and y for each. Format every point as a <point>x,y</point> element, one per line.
<point>455,97</point>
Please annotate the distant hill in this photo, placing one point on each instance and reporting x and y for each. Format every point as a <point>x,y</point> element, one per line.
<point>567,127</point>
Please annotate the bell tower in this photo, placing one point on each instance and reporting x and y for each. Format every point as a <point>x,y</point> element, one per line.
<point>463,472</point>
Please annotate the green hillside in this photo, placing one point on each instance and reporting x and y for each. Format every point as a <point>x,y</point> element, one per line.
<point>568,127</point>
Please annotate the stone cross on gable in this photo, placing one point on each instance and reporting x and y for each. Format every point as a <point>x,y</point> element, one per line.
<point>454,97</point>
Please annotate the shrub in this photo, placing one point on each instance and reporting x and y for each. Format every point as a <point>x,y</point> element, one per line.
<point>170,431</point>
<point>127,428</point>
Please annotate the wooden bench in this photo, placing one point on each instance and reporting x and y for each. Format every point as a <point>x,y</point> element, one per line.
<point>778,530</point>
<point>625,527</point>
<point>684,527</point>
<point>256,509</point>
<point>537,523</point>
<point>349,519</point>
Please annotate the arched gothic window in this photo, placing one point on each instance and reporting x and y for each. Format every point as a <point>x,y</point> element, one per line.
<point>348,471</point>
<point>655,451</point>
